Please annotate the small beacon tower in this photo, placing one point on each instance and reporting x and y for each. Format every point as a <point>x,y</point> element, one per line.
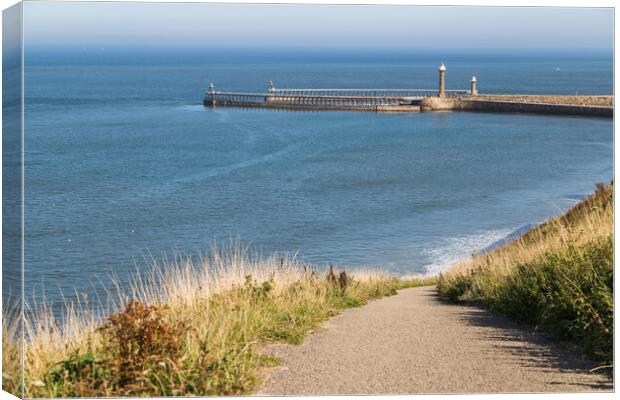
<point>474,87</point>
<point>209,99</point>
<point>442,80</point>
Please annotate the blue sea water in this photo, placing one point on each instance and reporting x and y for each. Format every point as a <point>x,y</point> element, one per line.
<point>123,161</point>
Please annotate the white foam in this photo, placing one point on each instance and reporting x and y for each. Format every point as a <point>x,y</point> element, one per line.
<point>459,248</point>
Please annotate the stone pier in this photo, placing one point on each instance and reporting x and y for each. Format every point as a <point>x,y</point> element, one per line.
<point>411,100</point>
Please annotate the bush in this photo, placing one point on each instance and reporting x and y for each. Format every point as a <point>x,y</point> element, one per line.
<point>139,349</point>
<point>454,288</point>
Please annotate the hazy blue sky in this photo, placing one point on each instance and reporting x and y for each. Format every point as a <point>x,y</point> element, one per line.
<point>208,25</point>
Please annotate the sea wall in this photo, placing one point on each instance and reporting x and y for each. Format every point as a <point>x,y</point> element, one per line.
<point>596,106</point>
<point>604,101</point>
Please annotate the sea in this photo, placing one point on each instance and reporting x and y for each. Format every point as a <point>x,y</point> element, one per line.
<point>124,165</point>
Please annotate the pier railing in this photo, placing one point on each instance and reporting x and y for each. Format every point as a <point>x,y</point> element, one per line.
<point>367,92</point>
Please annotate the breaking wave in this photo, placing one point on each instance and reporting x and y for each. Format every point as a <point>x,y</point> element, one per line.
<point>459,248</point>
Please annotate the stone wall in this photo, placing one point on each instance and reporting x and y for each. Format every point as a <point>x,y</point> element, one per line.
<point>597,106</point>
<point>607,101</point>
<point>440,104</point>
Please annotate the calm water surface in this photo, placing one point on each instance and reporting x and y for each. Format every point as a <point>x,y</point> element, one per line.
<point>122,161</point>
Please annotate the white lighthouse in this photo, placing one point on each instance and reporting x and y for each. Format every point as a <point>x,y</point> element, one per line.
<point>442,80</point>
<point>474,88</point>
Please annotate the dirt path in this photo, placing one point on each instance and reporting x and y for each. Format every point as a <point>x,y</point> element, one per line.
<point>414,343</point>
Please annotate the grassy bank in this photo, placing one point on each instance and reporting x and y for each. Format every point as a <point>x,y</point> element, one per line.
<point>557,277</point>
<point>187,329</point>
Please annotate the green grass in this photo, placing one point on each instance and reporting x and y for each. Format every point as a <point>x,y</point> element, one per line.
<point>557,277</point>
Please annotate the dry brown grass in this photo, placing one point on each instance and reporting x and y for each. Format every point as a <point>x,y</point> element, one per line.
<point>11,349</point>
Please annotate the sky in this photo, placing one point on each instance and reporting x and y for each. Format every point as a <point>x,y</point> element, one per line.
<point>151,25</point>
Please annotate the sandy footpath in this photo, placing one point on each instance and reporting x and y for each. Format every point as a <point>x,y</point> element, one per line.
<point>414,343</point>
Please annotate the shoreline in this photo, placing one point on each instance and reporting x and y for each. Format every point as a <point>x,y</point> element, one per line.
<point>102,311</point>
<point>511,235</point>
